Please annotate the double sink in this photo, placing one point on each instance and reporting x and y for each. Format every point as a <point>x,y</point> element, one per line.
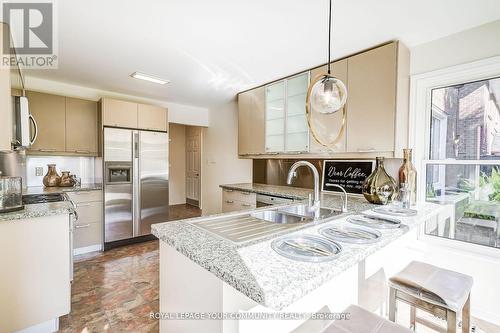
<point>295,214</point>
<point>253,225</point>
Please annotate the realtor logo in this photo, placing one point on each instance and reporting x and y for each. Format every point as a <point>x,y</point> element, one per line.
<point>31,42</point>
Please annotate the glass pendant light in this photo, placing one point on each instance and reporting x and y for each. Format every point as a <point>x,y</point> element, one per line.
<point>327,94</point>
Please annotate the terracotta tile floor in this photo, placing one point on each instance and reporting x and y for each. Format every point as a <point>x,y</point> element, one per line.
<point>115,291</point>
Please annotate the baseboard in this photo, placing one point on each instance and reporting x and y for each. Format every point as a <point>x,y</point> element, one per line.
<point>48,326</point>
<point>493,318</point>
<point>193,202</point>
<point>128,241</point>
<point>87,249</point>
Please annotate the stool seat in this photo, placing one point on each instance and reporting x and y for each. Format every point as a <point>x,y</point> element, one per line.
<point>444,287</point>
<point>363,321</point>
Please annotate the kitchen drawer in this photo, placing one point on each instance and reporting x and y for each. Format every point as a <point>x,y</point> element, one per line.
<point>233,195</point>
<point>89,212</point>
<point>234,205</point>
<point>85,196</point>
<point>87,234</point>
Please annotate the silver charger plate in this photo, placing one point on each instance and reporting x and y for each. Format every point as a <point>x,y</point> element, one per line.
<point>282,247</point>
<point>395,211</point>
<point>374,221</point>
<point>354,235</point>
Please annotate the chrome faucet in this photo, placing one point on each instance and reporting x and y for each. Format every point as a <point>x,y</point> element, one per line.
<point>344,196</point>
<point>315,204</point>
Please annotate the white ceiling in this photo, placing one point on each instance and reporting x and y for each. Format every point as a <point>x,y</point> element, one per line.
<point>210,50</point>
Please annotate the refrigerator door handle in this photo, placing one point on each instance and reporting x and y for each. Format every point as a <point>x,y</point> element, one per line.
<point>137,184</point>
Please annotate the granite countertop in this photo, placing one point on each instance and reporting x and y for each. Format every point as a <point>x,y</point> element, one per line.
<point>290,192</point>
<point>38,210</point>
<point>255,270</point>
<point>47,190</point>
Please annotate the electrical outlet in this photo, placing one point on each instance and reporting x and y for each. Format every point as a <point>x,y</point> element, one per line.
<point>39,171</point>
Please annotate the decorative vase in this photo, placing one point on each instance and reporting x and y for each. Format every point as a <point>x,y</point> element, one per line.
<point>380,188</point>
<point>408,174</point>
<point>66,180</point>
<point>51,179</point>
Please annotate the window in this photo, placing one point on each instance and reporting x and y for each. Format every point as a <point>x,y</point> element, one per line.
<point>463,169</point>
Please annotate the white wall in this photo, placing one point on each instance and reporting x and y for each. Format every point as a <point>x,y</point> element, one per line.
<point>220,163</point>
<point>474,44</point>
<point>177,113</point>
<point>177,161</point>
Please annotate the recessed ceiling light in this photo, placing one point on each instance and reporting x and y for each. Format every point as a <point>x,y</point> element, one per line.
<point>150,78</point>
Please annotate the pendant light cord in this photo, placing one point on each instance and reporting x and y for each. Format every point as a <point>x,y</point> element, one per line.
<point>329,34</point>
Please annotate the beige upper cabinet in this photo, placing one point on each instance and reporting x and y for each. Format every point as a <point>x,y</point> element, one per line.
<point>376,112</point>
<point>119,113</point>
<point>5,100</point>
<point>371,108</point>
<point>81,126</point>
<point>251,122</point>
<point>151,117</point>
<point>328,126</point>
<point>49,112</point>
<point>126,114</point>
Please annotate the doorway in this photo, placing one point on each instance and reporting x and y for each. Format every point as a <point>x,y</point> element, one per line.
<point>193,165</point>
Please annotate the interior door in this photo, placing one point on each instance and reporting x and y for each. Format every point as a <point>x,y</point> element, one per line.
<point>153,179</point>
<point>193,165</point>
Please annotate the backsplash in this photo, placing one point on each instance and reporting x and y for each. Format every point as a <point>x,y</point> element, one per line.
<point>87,168</point>
<point>275,171</point>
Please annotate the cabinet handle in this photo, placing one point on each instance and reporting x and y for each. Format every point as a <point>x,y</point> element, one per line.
<point>82,151</point>
<point>226,190</point>
<point>246,205</point>
<point>47,150</point>
<point>369,150</point>
<point>82,226</point>
<point>229,201</point>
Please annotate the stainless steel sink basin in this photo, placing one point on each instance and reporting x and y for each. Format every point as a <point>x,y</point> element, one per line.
<point>281,217</point>
<point>304,211</point>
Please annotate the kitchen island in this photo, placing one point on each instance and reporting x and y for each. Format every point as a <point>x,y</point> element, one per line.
<point>36,267</point>
<point>201,272</point>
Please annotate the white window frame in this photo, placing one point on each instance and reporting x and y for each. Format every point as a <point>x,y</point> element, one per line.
<point>421,87</point>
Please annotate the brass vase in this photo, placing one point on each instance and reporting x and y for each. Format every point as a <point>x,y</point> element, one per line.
<point>408,174</point>
<point>380,188</point>
<point>66,180</point>
<point>51,179</point>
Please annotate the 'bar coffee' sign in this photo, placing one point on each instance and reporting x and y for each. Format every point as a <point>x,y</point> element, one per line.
<point>348,174</point>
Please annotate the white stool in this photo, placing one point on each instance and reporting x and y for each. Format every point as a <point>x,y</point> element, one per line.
<point>441,292</point>
<point>363,321</point>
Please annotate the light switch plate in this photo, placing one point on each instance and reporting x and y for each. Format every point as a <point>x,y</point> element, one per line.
<point>39,171</point>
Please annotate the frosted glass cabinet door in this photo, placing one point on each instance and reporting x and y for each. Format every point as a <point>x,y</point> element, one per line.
<point>275,117</point>
<point>297,131</point>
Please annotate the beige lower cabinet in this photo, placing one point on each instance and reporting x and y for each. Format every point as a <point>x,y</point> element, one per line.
<point>233,200</point>
<point>35,271</point>
<point>251,122</point>
<point>328,126</point>
<point>151,117</point>
<point>88,229</point>
<point>81,126</point>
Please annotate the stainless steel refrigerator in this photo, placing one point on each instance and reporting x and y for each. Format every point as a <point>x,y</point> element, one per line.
<point>135,183</point>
